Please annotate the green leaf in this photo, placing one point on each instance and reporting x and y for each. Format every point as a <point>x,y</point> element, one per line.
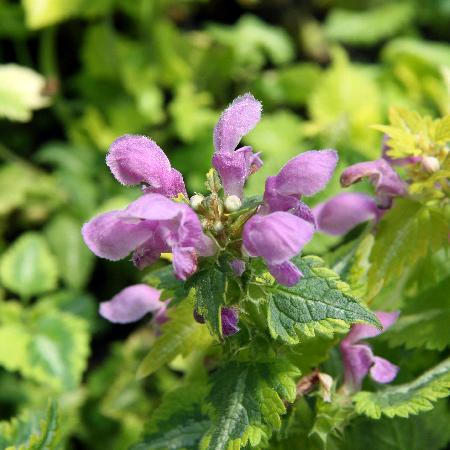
<point>367,27</point>
<point>410,398</point>
<point>428,430</point>
<point>178,422</point>
<point>180,335</point>
<point>75,260</point>
<point>209,288</point>
<point>20,92</point>
<point>27,267</point>
<point>406,234</point>
<point>320,303</point>
<point>49,12</point>
<point>246,401</point>
<point>45,345</point>
<point>32,431</point>
<point>424,322</point>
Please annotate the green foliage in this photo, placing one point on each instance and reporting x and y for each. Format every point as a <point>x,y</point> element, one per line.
<point>246,401</point>
<point>73,257</point>
<point>32,431</point>
<point>209,288</point>
<point>178,422</point>
<point>424,320</point>
<point>27,267</point>
<point>427,430</point>
<point>366,28</point>
<point>181,334</point>
<point>320,304</point>
<point>46,345</point>
<point>410,398</point>
<point>20,92</point>
<point>406,234</point>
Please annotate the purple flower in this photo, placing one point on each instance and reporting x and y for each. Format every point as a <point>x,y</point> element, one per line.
<point>306,174</point>
<point>277,237</point>
<point>359,359</point>
<point>386,181</point>
<point>343,212</point>
<point>139,160</point>
<point>133,303</point>
<point>234,166</point>
<point>238,266</point>
<point>150,225</point>
<point>230,318</point>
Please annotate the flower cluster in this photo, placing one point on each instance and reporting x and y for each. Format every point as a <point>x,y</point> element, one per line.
<point>165,220</point>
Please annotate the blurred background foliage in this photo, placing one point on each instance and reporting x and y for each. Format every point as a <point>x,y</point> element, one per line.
<point>76,74</point>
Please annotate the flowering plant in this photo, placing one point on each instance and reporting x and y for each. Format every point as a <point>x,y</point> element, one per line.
<point>239,298</point>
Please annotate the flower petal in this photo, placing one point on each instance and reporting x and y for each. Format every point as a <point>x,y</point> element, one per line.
<point>238,266</point>
<point>230,318</point>
<point>236,121</point>
<point>276,237</point>
<point>357,362</point>
<point>184,262</point>
<point>286,273</point>
<point>234,168</point>
<point>385,179</point>
<point>362,331</point>
<point>138,159</point>
<point>343,212</point>
<point>307,173</point>
<point>131,304</point>
<point>109,237</point>
<point>383,371</point>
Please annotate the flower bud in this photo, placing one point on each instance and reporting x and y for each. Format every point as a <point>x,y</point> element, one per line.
<point>430,164</point>
<point>218,227</point>
<point>196,201</point>
<point>232,203</point>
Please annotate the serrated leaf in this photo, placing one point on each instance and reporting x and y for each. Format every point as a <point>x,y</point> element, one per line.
<point>409,398</point>
<point>27,267</point>
<point>20,92</point>
<point>367,27</point>
<point>442,130</point>
<point>209,286</point>
<point>180,335</point>
<point>74,259</point>
<point>406,234</point>
<point>246,401</point>
<point>428,430</point>
<point>424,321</point>
<point>319,303</point>
<point>45,345</point>
<point>178,422</point>
<point>165,280</point>
<point>31,431</point>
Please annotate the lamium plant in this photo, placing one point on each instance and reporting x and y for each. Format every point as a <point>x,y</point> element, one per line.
<point>248,315</point>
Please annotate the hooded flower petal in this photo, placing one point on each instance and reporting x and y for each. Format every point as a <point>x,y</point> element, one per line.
<point>383,371</point>
<point>109,237</point>
<point>386,181</point>
<point>148,226</point>
<point>236,121</point>
<point>307,173</point>
<point>138,159</point>
<point>230,318</point>
<point>132,303</point>
<point>235,167</point>
<point>361,331</point>
<point>276,237</point>
<point>343,212</point>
